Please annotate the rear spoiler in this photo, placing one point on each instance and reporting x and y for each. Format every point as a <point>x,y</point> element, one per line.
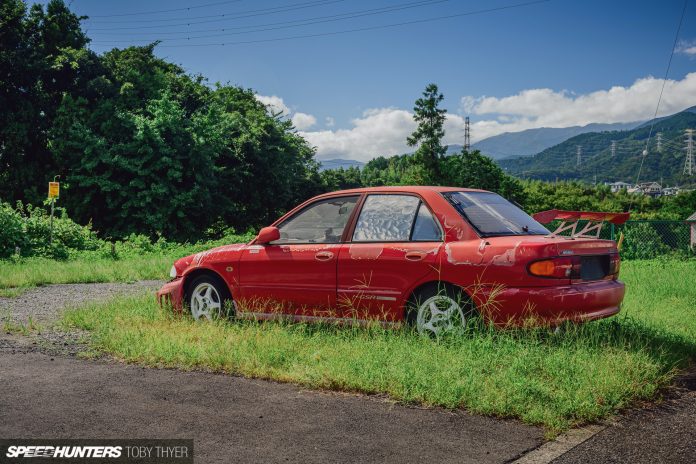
<point>569,221</point>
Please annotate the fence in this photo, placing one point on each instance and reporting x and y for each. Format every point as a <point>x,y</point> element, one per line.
<point>648,239</point>
<point>652,239</point>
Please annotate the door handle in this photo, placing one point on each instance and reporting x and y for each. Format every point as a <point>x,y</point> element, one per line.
<point>415,255</point>
<point>323,256</point>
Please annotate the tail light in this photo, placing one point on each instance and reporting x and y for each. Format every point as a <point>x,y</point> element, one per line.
<point>614,264</point>
<point>566,267</point>
<point>585,268</point>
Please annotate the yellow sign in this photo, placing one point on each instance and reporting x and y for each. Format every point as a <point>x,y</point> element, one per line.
<point>53,190</point>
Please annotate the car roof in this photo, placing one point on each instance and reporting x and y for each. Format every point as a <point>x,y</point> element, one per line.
<point>405,188</point>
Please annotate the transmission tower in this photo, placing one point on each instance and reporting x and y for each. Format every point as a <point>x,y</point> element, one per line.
<point>689,164</point>
<point>659,142</point>
<point>467,134</point>
<point>579,156</point>
<point>613,148</point>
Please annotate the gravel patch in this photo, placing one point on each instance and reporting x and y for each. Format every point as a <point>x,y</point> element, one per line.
<point>44,304</point>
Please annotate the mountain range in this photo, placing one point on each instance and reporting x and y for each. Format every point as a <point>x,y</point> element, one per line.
<point>596,163</point>
<point>532,141</point>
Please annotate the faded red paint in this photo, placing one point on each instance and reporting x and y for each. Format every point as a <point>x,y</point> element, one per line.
<point>375,280</point>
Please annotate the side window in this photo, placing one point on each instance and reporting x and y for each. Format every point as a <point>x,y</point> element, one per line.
<point>425,228</point>
<point>386,218</point>
<point>321,222</point>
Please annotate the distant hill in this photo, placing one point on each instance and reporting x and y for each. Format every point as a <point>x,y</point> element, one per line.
<point>339,163</point>
<point>532,141</point>
<point>560,161</point>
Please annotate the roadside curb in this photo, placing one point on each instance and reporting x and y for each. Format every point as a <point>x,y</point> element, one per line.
<point>561,445</point>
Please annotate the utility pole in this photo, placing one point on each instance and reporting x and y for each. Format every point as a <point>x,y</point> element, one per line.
<point>579,156</point>
<point>467,134</point>
<point>613,148</point>
<point>689,164</point>
<point>659,142</point>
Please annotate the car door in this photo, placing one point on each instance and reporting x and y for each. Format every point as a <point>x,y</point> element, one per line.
<point>395,243</point>
<point>297,273</point>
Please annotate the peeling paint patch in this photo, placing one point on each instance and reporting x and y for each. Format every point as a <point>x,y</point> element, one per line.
<point>365,252</point>
<point>458,256</point>
<point>508,258</point>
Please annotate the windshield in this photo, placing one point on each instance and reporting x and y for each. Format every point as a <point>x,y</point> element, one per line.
<point>492,214</point>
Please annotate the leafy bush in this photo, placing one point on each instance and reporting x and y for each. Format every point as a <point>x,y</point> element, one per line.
<point>28,228</point>
<point>641,241</point>
<point>11,230</point>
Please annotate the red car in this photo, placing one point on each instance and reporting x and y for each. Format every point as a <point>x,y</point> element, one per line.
<point>430,256</point>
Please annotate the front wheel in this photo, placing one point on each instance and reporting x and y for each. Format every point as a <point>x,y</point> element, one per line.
<point>440,309</point>
<point>209,298</point>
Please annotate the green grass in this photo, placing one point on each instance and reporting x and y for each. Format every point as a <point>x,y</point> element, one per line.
<point>556,381</point>
<point>132,264</point>
<point>40,271</point>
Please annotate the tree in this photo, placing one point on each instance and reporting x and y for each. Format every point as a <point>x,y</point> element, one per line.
<point>474,170</point>
<point>42,57</point>
<point>430,131</point>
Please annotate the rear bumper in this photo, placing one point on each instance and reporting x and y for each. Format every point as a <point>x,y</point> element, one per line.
<point>551,305</point>
<point>172,294</point>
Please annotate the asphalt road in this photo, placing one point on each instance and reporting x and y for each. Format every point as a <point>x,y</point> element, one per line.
<point>661,433</point>
<point>237,420</point>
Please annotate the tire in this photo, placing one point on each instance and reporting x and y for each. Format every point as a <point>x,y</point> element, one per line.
<point>439,308</point>
<point>209,298</point>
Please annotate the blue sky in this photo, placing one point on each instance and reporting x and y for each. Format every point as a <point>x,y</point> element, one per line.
<point>351,87</point>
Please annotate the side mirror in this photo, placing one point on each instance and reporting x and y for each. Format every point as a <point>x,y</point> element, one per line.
<point>267,235</point>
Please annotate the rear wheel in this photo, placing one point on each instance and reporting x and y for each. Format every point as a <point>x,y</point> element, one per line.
<point>208,298</point>
<point>440,309</point>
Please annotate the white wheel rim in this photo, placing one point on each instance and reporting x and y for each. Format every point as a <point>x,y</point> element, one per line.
<point>438,315</point>
<point>205,302</point>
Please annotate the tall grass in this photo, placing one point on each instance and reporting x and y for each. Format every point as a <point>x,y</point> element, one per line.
<point>556,381</point>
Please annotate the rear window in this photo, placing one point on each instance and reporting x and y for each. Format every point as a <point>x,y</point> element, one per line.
<point>493,215</point>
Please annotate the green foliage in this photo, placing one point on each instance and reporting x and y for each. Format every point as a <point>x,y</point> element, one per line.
<point>11,230</point>
<point>28,229</point>
<point>579,196</point>
<point>641,241</point>
<point>429,133</point>
<point>141,146</point>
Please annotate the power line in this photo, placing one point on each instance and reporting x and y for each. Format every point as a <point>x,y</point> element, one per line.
<point>299,23</point>
<point>659,100</point>
<point>340,15</point>
<point>361,29</point>
<point>224,16</point>
<point>168,11</point>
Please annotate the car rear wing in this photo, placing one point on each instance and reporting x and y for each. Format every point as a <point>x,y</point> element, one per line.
<point>570,219</point>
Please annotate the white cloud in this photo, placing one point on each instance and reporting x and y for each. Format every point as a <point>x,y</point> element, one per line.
<point>687,48</point>
<point>303,121</point>
<point>329,121</point>
<point>380,131</point>
<point>383,131</point>
<point>548,108</point>
<point>274,103</point>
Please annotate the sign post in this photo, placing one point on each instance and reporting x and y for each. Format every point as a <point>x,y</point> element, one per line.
<point>53,194</point>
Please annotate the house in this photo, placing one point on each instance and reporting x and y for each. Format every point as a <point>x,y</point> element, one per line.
<point>618,186</point>
<point>691,220</point>
<point>670,191</point>
<point>652,189</point>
